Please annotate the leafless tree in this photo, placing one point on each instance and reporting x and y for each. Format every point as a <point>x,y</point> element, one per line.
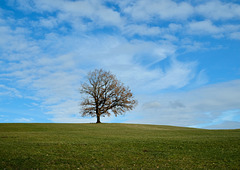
<point>103,94</point>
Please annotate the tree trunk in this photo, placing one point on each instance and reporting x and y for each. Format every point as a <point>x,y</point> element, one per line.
<point>98,119</point>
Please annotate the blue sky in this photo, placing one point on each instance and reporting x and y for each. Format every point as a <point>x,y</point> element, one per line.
<point>180,58</point>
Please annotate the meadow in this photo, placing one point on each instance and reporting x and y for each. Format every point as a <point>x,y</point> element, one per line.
<point>116,146</point>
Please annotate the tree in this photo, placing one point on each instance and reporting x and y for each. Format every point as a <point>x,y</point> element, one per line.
<point>103,94</point>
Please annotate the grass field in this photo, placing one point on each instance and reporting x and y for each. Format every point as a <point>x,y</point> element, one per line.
<point>112,146</point>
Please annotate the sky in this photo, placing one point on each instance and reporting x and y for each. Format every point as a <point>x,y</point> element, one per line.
<point>181,59</point>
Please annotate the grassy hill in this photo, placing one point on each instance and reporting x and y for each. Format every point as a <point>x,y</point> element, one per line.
<point>111,146</point>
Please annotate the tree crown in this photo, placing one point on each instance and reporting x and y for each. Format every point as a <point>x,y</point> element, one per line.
<point>104,94</point>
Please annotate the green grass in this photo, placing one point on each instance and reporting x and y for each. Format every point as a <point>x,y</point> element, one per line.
<point>115,146</point>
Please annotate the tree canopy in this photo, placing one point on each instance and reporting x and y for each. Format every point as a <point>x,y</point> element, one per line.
<point>103,94</point>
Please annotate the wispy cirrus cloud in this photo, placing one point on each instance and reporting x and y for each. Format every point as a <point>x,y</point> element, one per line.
<point>8,91</point>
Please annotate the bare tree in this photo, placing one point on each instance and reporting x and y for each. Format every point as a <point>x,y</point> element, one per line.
<point>103,94</point>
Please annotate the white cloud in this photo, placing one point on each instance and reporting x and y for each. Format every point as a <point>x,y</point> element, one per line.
<point>23,120</point>
<point>48,22</point>
<point>209,105</point>
<point>178,75</point>
<point>156,32</point>
<point>235,35</point>
<point>225,125</point>
<point>201,78</point>
<point>192,45</point>
<point>218,10</point>
<point>204,27</point>
<point>9,91</point>
<point>88,15</point>
<point>151,105</point>
<point>65,108</point>
<point>73,11</point>
<point>132,60</point>
<point>163,9</point>
<point>207,27</point>
<point>142,30</point>
<point>175,27</point>
<point>14,44</point>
